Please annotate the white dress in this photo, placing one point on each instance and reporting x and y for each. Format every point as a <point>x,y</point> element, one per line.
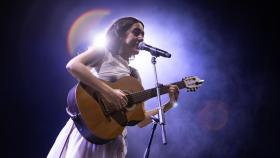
<point>70,143</point>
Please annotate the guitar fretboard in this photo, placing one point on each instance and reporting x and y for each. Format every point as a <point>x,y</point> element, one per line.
<point>138,97</point>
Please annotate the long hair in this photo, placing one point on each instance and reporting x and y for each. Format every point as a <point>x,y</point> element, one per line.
<point>117,32</point>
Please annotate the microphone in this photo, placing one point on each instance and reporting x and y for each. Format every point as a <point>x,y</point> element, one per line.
<point>153,50</point>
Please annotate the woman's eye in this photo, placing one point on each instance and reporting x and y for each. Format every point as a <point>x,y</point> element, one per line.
<point>137,32</point>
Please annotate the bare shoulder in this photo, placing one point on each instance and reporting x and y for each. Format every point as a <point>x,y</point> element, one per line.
<point>91,56</point>
<point>95,55</point>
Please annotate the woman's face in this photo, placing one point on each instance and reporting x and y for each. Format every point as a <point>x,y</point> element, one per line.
<point>134,36</point>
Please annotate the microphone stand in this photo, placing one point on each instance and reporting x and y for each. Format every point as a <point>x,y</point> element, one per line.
<point>160,108</point>
<point>161,118</point>
<point>155,122</point>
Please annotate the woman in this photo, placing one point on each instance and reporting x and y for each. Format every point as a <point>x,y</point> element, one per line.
<point>111,64</point>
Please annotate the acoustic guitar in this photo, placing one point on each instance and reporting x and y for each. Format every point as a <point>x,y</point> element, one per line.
<point>98,123</point>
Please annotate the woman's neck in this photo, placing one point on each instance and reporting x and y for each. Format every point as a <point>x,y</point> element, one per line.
<point>124,54</point>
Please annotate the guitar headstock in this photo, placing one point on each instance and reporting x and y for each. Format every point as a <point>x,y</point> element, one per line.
<point>192,83</point>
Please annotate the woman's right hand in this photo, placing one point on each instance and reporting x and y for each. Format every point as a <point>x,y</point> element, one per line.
<point>115,99</point>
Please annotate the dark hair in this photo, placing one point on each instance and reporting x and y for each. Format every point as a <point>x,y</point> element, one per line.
<point>117,31</point>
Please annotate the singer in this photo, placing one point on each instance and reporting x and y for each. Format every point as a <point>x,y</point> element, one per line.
<point>111,64</point>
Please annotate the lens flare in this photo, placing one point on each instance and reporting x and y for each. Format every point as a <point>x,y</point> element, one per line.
<point>213,116</point>
<point>80,33</point>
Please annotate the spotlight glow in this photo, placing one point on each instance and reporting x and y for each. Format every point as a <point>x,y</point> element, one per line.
<point>78,34</point>
<point>99,40</point>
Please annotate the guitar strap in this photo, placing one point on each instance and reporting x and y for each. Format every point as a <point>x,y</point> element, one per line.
<point>134,73</point>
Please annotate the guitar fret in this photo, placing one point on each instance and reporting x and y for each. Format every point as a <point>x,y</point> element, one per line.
<point>150,93</point>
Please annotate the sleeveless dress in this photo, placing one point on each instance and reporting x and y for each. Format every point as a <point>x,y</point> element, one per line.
<point>71,144</point>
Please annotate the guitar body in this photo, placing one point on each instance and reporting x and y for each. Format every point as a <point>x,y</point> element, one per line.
<point>98,122</point>
<point>90,117</point>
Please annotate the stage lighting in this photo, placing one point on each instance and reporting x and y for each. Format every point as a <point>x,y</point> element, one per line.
<point>99,40</point>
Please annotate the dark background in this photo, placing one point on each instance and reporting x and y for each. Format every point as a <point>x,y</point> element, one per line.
<point>33,79</point>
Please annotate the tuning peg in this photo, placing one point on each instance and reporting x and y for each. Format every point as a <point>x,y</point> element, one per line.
<point>199,82</point>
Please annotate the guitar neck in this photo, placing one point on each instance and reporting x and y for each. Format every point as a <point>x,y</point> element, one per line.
<point>138,97</point>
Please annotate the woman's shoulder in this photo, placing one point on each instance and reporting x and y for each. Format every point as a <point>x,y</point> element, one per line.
<point>98,51</point>
<point>95,55</point>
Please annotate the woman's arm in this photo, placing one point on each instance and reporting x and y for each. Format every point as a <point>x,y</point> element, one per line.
<point>79,69</point>
<point>173,95</point>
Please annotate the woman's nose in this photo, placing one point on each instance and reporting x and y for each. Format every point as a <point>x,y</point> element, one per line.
<point>140,38</point>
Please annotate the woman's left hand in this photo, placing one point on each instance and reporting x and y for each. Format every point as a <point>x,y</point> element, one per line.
<point>173,93</point>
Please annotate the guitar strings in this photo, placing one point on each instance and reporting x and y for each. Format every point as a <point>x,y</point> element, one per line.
<point>143,95</point>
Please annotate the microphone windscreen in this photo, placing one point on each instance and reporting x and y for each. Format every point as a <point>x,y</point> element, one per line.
<point>141,46</point>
